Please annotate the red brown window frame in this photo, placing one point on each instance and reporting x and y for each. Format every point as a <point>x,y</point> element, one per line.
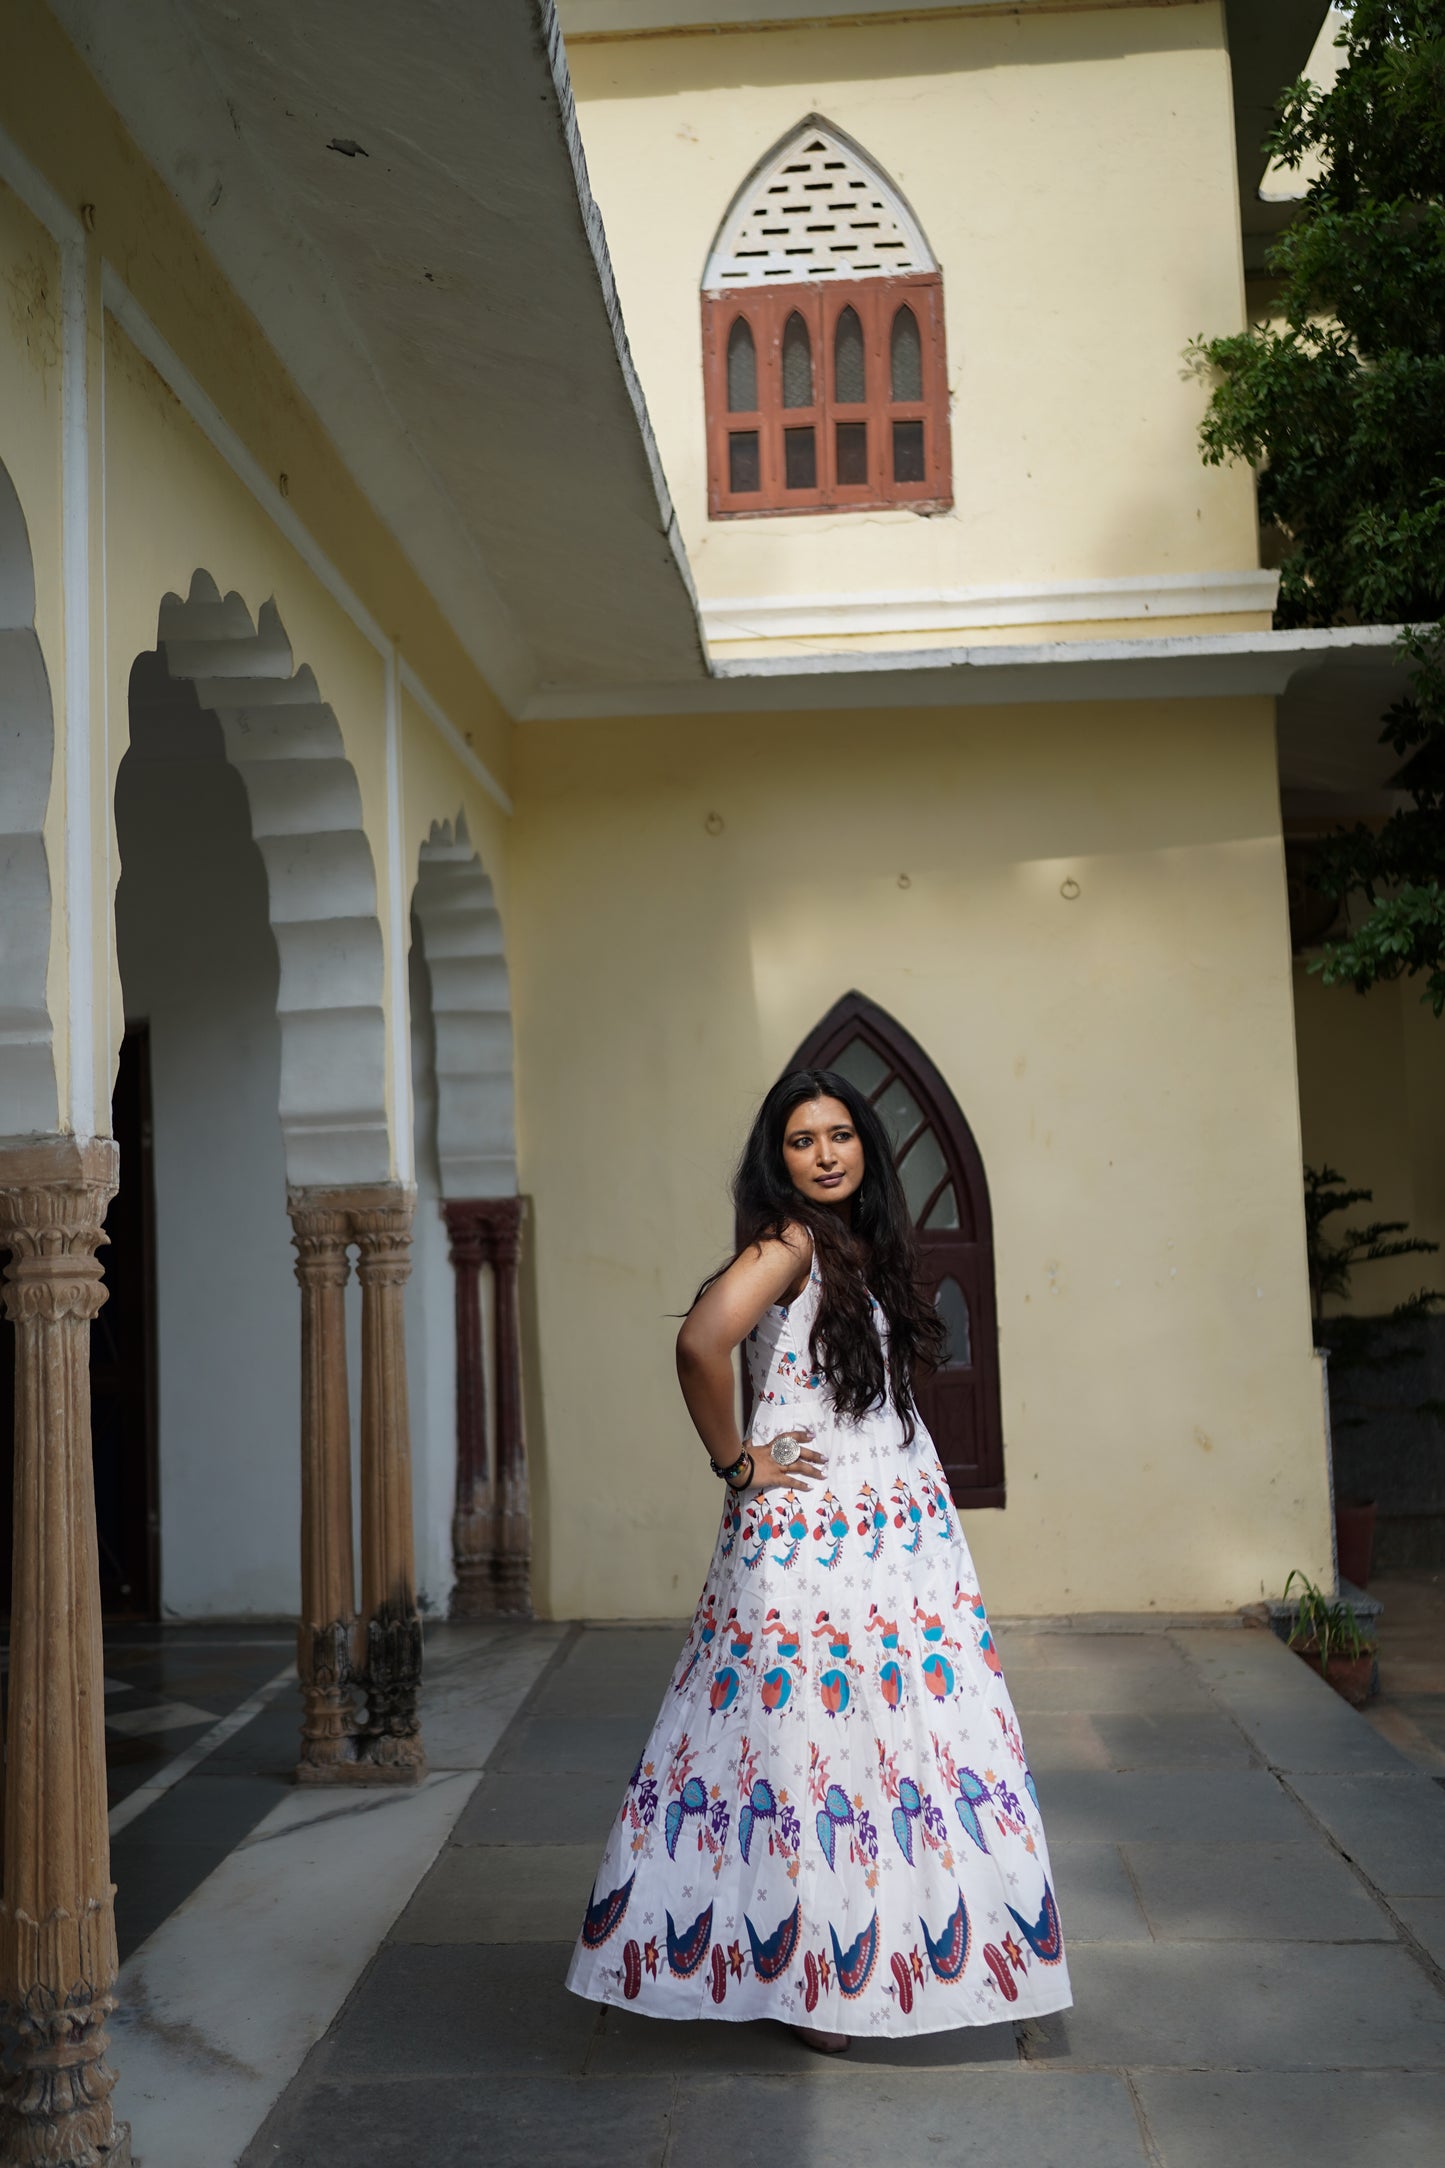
<point>766,310</point>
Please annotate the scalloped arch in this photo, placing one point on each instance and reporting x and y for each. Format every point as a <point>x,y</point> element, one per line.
<point>29,1095</point>
<point>815,206</point>
<point>461,939</point>
<point>285,744</point>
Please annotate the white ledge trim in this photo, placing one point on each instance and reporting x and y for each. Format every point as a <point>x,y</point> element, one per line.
<point>967,609</point>
<point>1172,667</point>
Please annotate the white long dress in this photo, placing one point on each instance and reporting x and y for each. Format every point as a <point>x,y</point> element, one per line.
<point>832,1822</point>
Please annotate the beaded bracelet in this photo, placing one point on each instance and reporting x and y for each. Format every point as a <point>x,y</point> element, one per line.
<point>725,1475</point>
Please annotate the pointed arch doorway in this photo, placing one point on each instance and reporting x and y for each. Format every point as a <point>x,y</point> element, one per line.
<point>944,1182</point>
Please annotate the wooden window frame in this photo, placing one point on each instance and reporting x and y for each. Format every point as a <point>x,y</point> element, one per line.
<point>766,310</point>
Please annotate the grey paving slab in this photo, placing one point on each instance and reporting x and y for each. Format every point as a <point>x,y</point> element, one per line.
<point>1316,1737</point>
<point>1096,1897</point>
<point>1296,1892</point>
<point>613,1673</point>
<point>508,2122</point>
<point>860,2116</point>
<point>511,1807</point>
<point>1254,1666</point>
<point>1329,2119</point>
<point>1240,2005</point>
<point>1199,1740</point>
<point>431,2010</point>
<point>1083,1651</point>
<point>1161,1689</point>
<point>1062,1739</point>
<point>1425,1918</point>
<point>502,1893</point>
<point>1392,1827</point>
<point>628,2043</point>
<point>558,1746</point>
<point>1108,1806</point>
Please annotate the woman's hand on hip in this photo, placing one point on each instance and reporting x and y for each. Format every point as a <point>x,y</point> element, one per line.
<point>799,1474</point>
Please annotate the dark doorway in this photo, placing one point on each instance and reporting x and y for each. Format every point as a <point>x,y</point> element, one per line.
<point>943,1180</point>
<point>122,1357</point>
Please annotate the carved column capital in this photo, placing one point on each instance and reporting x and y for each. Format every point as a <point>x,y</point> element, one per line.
<point>53,1199</point>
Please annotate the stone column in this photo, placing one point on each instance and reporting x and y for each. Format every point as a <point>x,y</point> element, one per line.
<point>391,1746</point>
<point>57,1918</point>
<point>324,1645</point>
<point>514,1509</point>
<point>492,1524</point>
<point>473,1517</point>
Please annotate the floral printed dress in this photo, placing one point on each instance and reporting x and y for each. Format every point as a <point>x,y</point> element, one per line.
<point>833,1822</point>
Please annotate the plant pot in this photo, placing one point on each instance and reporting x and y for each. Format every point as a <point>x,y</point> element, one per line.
<point>1355,1678</point>
<point>1355,1538</point>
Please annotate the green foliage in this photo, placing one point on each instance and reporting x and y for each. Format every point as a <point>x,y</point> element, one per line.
<point>1357,1344</point>
<point>1323,1628</point>
<point>1342,406</point>
<point>1341,410</point>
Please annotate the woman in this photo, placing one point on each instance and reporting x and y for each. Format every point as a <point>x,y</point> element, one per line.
<point>832,1822</point>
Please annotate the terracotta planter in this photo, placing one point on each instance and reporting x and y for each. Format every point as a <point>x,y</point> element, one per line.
<point>1355,1538</point>
<point>1355,1678</point>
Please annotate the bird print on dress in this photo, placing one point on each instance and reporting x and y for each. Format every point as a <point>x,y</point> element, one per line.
<point>833,1821</point>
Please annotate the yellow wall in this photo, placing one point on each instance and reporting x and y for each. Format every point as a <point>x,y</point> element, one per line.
<point>1126,1061</point>
<point>1372,1083</point>
<point>1074,172</point>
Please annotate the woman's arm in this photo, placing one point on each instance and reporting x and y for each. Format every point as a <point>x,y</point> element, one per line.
<point>723,1315</point>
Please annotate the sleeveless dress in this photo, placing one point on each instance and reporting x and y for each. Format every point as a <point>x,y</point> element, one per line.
<point>833,1822</point>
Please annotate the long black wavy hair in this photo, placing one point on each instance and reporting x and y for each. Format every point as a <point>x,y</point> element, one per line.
<point>877,1255</point>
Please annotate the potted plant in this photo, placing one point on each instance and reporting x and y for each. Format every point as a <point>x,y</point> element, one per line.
<point>1329,1634</point>
<point>1359,1346</point>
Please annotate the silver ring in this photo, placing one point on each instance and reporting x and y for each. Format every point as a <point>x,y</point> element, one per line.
<point>785,1451</point>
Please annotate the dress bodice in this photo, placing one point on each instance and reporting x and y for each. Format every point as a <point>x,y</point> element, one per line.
<point>780,1362</point>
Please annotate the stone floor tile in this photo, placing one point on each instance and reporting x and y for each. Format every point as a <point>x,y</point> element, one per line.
<point>1314,1736</point>
<point>1240,2005</point>
<point>628,2043</point>
<point>1161,1689</point>
<point>502,1893</point>
<point>547,1747</point>
<point>1096,1898</point>
<point>435,2010</point>
<point>508,2122</point>
<point>617,1672</point>
<point>1063,1739</point>
<point>1107,1806</point>
<point>1392,1827</point>
<point>1329,2119</point>
<point>1295,1892</point>
<point>511,1807</point>
<point>1425,1918</point>
<point>860,2116</point>
<point>1201,1739</point>
<point>157,1860</point>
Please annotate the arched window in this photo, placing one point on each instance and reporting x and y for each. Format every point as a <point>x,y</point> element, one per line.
<point>943,1180</point>
<point>823,354</point>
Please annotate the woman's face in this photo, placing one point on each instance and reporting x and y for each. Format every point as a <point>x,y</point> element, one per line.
<point>822,1151</point>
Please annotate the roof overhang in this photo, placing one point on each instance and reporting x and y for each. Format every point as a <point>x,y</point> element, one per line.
<point>1332,688</point>
<point>398,195</point>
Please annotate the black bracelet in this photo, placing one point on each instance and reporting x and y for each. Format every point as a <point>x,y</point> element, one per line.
<point>725,1475</point>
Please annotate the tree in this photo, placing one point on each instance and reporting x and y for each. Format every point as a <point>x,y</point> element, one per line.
<point>1340,407</point>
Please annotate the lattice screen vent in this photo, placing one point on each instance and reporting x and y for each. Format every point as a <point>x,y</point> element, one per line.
<point>815,208</point>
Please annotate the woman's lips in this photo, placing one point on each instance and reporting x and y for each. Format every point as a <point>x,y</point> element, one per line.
<point>828,1181</point>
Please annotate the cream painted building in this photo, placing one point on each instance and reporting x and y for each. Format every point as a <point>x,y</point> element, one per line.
<point>471,713</point>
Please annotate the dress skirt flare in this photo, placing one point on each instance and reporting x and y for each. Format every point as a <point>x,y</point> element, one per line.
<point>833,1821</point>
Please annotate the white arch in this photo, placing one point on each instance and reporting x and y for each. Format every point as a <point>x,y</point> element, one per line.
<point>461,939</point>
<point>29,1098</point>
<point>815,206</point>
<point>305,802</point>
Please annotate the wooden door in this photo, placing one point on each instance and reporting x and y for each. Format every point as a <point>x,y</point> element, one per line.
<point>943,1180</point>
